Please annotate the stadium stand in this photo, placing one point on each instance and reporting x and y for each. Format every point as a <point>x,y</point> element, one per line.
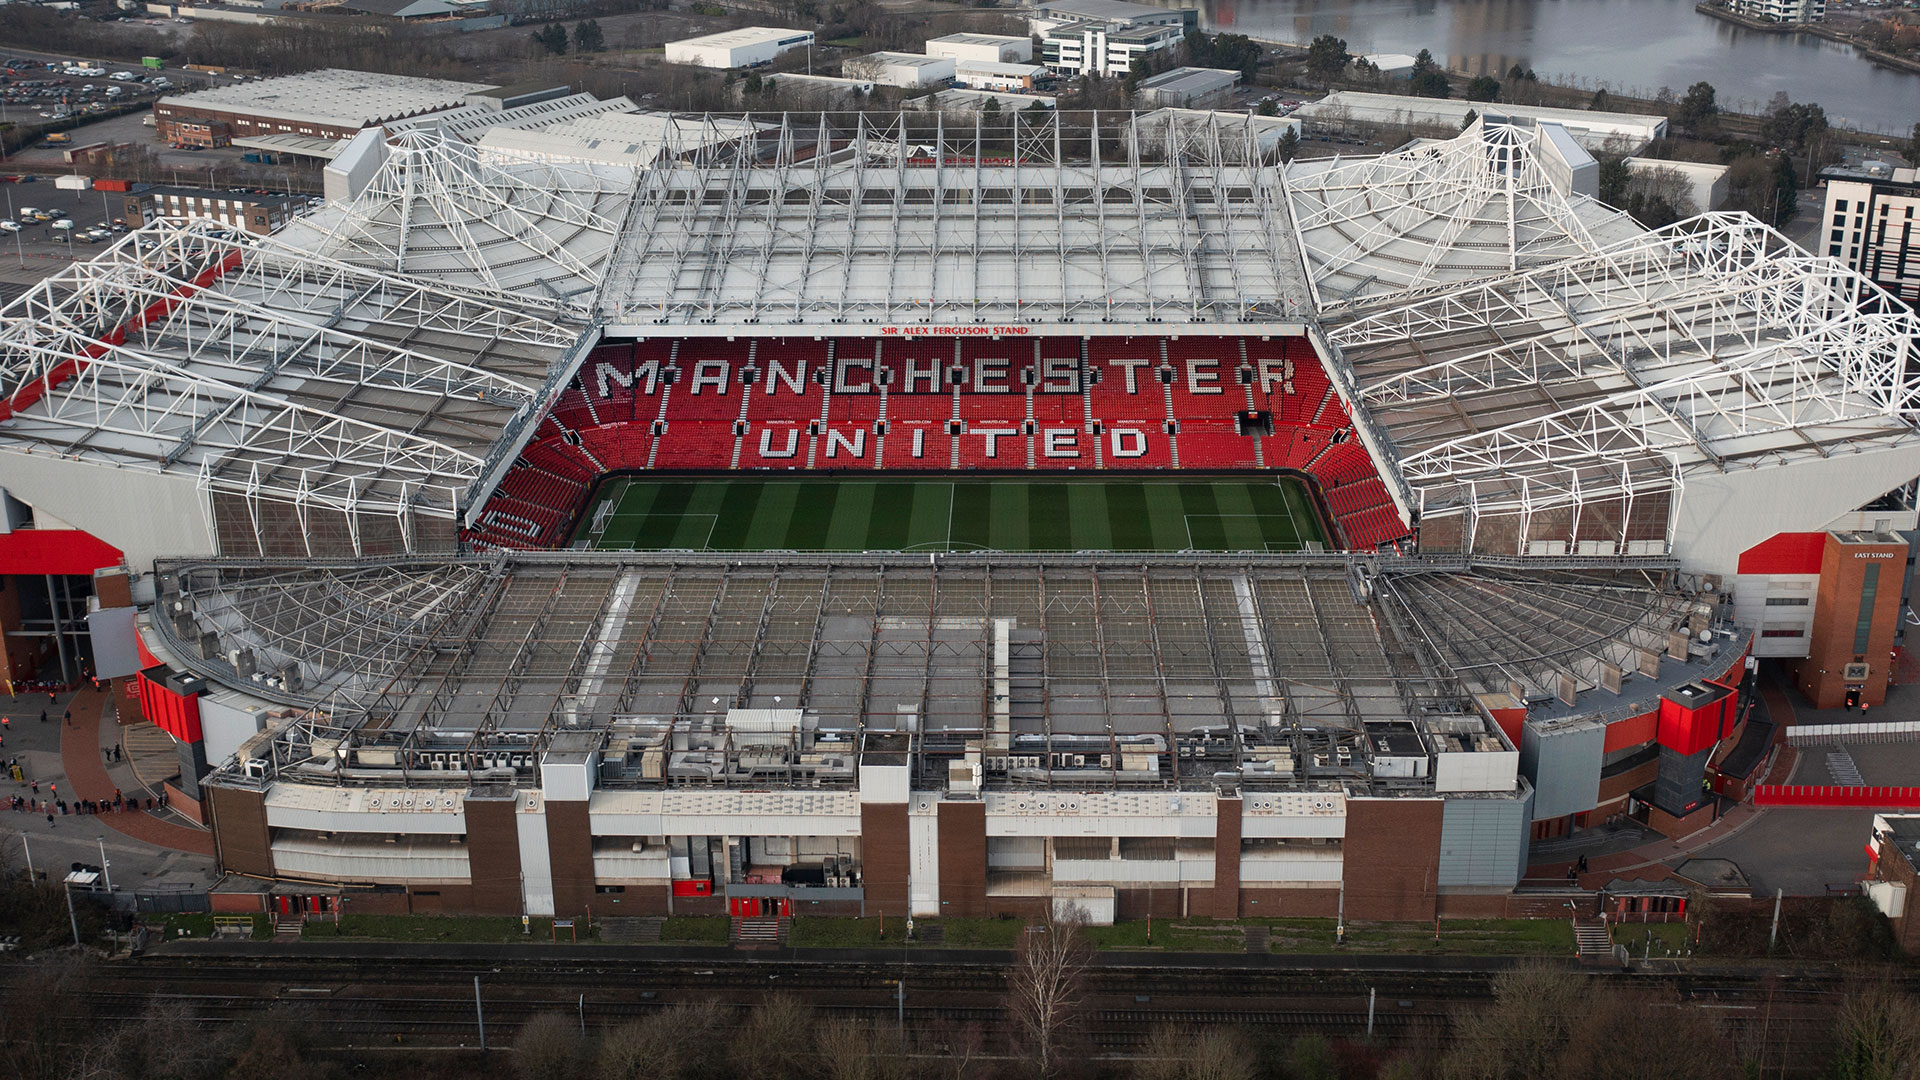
<point>781,404</point>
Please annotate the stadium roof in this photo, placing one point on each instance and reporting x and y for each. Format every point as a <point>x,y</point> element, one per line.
<point>903,222</point>
<point>1482,204</point>
<point>269,372</point>
<point>470,122</point>
<point>1189,648</point>
<point>1710,345</point>
<point>439,210</point>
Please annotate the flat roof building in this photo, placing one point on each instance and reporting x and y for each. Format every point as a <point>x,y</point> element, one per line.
<point>900,69</point>
<point>1869,226</point>
<point>329,103</point>
<point>260,214</point>
<point>1109,13</point>
<point>1093,48</point>
<point>1630,132</point>
<point>745,47</point>
<point>993,48</point>
<point>985,75</point>
<point>1188,87</point>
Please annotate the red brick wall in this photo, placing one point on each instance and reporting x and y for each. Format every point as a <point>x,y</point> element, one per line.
<point>570,856</point>
<point>1289,903</point>
<point>493,858</point>
<point>1226,859</point>
<point>963,859</point>
<point>883,857</point>
<point>1392,859</point>
<point>1620,785</point>
<point>1830,645</point>
<point>1667,825</point>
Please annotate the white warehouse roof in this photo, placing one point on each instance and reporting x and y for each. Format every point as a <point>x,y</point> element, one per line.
<point>741,38</point>
<point>333,97</point>
<point>980,39</point>
<point>1593,129</point>
<point>992,67</point>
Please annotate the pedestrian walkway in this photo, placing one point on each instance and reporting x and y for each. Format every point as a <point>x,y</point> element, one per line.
<point>81,744</point>
<point>1844,772</point>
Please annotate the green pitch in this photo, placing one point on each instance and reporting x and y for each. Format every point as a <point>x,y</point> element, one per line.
<point>943,515</point>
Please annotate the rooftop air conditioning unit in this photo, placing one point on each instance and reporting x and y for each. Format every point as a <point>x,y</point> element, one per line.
<point>255,768</point>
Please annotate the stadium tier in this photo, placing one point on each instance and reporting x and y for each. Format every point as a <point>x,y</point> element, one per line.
<point>1205,404</point>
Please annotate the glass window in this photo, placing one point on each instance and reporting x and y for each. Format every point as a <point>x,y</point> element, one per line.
<point>1863,623</point>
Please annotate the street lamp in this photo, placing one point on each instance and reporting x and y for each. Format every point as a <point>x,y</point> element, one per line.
<point>106,866</point>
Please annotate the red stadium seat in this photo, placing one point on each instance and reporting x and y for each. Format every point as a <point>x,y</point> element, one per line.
<point>937,404</point>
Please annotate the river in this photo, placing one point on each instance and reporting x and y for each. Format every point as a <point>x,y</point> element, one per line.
<point>1636,46</point>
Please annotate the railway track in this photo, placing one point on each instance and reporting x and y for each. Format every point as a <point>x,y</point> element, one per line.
<point>372,1003</point>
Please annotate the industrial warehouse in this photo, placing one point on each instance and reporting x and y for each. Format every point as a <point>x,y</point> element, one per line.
<point>873,517</point>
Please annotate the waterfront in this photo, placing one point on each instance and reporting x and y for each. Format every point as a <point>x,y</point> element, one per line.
<point>1635,46</point>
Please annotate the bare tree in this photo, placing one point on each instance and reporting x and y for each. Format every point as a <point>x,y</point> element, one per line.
<point>1520,1036</point>
<point>1878,1035</point>
<point>1044,990</point>
<point>549,1046</point>
<point>1208,1054</point>
<point>851,1050</point>
<point>668,1045</point>
<point>1644,1034</point>
<point>775,1039</point>
<point>958,1051</point>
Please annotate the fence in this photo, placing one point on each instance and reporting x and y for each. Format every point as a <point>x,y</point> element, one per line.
<point>1901,798</point>
<point>1817,734</point>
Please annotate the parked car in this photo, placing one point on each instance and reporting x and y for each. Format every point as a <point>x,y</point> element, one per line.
<point>9,226</point>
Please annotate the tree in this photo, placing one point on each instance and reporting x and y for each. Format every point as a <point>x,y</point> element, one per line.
<point>553,37</point>
<point>1268,108</point>
<point>1521,1035</point>
<point>549,1047</point>
<point>1877,1036</point>
<point>1483,88</point>
<point>1696,107</point>
<point>1468,120</point>
<point>1601,102</point>
<point>587,37</point>
<point>1044,988</point>
<point>1210,1054</point>
<point>1427,79</point>
<point>1800,130</point>
<point>1764,186</point>
<point>1311,1058</point>
<point>1327,56</point>
<point>774,1040</point>
<point>676,1043</point>
<point>1430,84</point>
<point>1913,145</point>
<point>991,109</point>
<point>1289,145</point>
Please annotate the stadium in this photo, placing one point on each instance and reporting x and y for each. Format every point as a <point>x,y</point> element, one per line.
<point>869,515</point>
